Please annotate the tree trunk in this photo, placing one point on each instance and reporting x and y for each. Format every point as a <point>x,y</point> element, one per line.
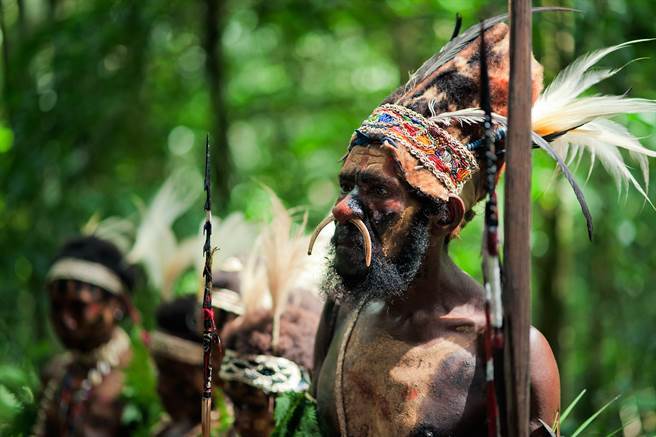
<point>215,70</point>
<point>551,272</point>
<point>6,72</point>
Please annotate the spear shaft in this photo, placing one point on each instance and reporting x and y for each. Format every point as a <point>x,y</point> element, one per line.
<point>210,336</point>
<point>517,220</point>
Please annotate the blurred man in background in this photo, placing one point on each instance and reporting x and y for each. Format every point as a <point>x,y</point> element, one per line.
<point>88,287</point>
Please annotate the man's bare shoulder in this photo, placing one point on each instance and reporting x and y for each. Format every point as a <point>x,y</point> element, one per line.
<point>545,381</point>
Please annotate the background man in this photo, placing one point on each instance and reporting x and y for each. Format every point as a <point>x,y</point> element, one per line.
<point>88,286</point>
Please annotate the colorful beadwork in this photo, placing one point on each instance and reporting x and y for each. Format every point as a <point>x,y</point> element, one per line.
<point>437,151</point>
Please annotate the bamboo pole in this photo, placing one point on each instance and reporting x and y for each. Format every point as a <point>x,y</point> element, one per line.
<point>517,222</point>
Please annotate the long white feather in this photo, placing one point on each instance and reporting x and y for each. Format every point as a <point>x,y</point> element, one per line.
<point>275,263</point>
<point>284,249</point>
<point>584,120</point>
<point>253,281</point>
<point>155,243</point>
<point>117,230</point>
<point>234,236</point>
<point>575,79</point>
<point>467,116</point>
<point>585,109</point>
<point>603,139</point>
<point>560,108</point>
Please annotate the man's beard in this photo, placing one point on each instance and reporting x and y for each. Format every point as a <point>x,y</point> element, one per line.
<point>350,281</point>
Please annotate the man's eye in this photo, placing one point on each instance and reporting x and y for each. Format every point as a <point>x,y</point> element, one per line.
<point>346,187</point>
<point>380,190</point>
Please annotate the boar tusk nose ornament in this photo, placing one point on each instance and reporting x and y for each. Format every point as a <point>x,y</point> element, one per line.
<point>366,239</point>
<point>313,238</point>
<point>357,223</point>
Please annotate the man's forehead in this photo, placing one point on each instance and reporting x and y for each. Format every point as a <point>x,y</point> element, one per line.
<point>372,159</point>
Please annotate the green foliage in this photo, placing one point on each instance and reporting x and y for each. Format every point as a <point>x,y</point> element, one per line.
<point>561,421</point>
<point>571,406</point>
<point>142,407</point>
<point>103,99</point>
<point>296,416</point>
<point>225,418</point>
<point>18,404</point>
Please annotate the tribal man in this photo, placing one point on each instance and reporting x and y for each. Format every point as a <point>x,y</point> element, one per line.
<point>88,286</point>
<point>399,350</point>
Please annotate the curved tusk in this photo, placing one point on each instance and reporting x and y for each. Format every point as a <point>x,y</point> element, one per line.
<point>366,237</point>
<point>325,222</point>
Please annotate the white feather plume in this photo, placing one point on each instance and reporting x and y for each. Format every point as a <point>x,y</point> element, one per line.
<point>571,82</point>
<point>582,121</point>
<point>253,281</point>
<point>284,248</point>
<point>156,245</point>
<point>603,139</point>
<point>233,236</point>
<point>585,120</point>
<point>467,116</point>
<point>275,265</point>
<point>117,230</point>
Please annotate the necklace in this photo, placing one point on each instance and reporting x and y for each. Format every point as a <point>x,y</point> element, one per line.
<point>100,361</point>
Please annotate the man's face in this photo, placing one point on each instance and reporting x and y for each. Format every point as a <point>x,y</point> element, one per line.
<point>372,191</point>
<point>83,315</point>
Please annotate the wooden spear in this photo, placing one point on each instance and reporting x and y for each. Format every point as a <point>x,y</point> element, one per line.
<point>517,220</point>
<point>210,336</point>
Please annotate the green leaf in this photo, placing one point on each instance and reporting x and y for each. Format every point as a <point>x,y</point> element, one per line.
<point>591,419</point>
<point>295,416</point>
<point>571,406</point>
<point>6,139</point>
<point>621,428</point>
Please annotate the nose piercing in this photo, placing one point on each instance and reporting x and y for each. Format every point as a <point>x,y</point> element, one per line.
<point>357,223</point>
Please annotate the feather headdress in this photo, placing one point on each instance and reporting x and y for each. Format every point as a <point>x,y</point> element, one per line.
<point>568,125</point>
<point>277,265</point>
<point>156,245</point>
<point>432,125</point>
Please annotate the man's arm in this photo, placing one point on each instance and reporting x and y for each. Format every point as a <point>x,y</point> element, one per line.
<point>545,383</point>
<point>323,338</point>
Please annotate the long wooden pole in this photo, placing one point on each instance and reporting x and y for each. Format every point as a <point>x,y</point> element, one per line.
<point>517,255</point>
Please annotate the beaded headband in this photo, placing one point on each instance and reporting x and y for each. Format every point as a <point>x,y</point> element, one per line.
<point>436,151</point>
<point>85,271</point>
<point>268,373</point>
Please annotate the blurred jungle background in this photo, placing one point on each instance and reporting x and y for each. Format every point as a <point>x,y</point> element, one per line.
<point>102,100</point>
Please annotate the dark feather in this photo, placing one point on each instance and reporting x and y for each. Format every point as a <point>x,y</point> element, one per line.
<point>542,143</point>
<point>456,29</point>
<point>457,44</point>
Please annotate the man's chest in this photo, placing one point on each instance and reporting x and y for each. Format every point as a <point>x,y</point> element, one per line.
<point>80,406</point>
<point>387,385</point>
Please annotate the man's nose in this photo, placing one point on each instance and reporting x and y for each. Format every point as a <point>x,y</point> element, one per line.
<point>346,209</point>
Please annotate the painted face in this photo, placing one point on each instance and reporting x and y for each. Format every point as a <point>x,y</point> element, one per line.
<point>83,315</point>
<point>371,191</point>
<point>253,409</point>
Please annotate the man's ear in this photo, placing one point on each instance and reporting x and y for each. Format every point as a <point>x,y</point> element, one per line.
<point>453,214</point>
